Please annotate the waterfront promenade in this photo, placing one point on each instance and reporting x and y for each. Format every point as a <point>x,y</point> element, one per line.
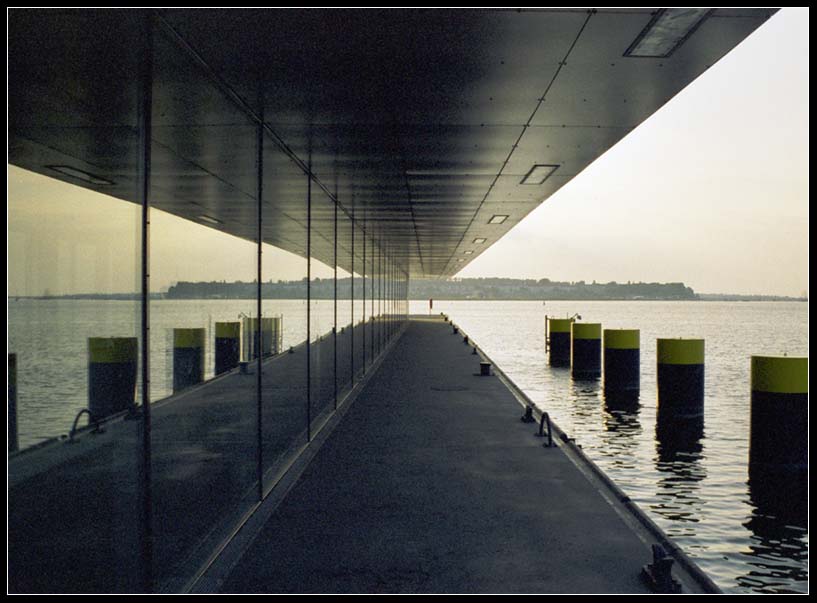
<point>424,481</point>
<point>431,483</point>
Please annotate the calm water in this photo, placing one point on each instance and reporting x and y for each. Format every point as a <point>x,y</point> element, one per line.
<point>694,487</point>
<point>50,339</point>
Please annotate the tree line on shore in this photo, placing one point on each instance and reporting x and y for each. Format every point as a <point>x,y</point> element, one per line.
<point>423,289</point>
<point>454,289</point>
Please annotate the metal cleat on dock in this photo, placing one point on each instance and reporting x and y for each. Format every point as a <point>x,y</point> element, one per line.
<point>658,574</point>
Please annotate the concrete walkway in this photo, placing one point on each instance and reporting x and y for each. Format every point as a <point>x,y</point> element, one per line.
<point>431,483</point>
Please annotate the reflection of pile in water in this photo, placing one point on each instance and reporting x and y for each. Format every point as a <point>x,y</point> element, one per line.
<point>779,520</point>
<point>779,495</point>
<point>679,454</point>
<point>628,401</point>
<point>677,437</point>
<point>621,435</point>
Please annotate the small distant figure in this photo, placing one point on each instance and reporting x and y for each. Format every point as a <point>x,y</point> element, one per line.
<point>430,305</point>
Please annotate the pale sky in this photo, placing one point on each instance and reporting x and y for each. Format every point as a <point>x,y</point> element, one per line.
<point>723,207</point>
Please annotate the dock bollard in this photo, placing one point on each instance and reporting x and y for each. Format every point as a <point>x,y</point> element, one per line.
<point>14,444</point>
<point>585,350</point>
<point>188,358</point>
<point>266,335</point>
<point>228,346</point>
<point>454,329</point>
<point>559,330</point>
<point>779,423</point>
<point>112,371</point>
<point>680,377</point>
<point>622,363</point>
<point>267,328</point>
<point>248,342</point>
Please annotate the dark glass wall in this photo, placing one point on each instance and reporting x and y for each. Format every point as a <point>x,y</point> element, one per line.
<point>285,385</point>
<point>203,438</point>
<point>344,305</point>
<point>74,333</point>
<point>200,309</point>
<point>359,312</point>
<point>322,306</point>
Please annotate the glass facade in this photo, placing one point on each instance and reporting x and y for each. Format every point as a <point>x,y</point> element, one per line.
<point>176,333</point>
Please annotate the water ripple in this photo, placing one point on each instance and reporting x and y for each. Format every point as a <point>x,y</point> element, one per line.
<point>693,482</point>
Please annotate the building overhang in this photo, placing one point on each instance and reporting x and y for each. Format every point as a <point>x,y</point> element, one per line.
<point>438,130</point>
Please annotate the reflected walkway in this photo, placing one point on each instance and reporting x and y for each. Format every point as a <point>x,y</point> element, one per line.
<point>74,507</point>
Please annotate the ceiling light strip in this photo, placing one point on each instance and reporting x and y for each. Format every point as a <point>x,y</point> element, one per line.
<point>541,100</point>
<point>87,177</point>
<point>538,174</point>
<point>666,31</point>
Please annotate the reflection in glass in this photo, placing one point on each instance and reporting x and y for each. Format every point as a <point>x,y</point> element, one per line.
<point>345,305</point>
<point>285,384</point>
<point>73,328</point>
<point>359,314</point>
<point>203,438</point>
<point>372,325</point>
<point>366,281</point>
<point>225,204</point>
<point>74,243</point>
<point>353,296</point>
<point>322,307</point>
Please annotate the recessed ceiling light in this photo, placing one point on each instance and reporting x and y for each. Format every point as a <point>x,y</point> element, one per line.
<point>666,31</point>
<point>460,260</point>
<point>480,240</point>
<point>67,170</point>
<point>468,252</point>
<point>209,220</point>
<point>538,174</point>
<point>497,219</point>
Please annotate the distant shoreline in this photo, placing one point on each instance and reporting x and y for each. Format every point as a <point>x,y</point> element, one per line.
<point>469,289</point>
<point>702,297</point>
